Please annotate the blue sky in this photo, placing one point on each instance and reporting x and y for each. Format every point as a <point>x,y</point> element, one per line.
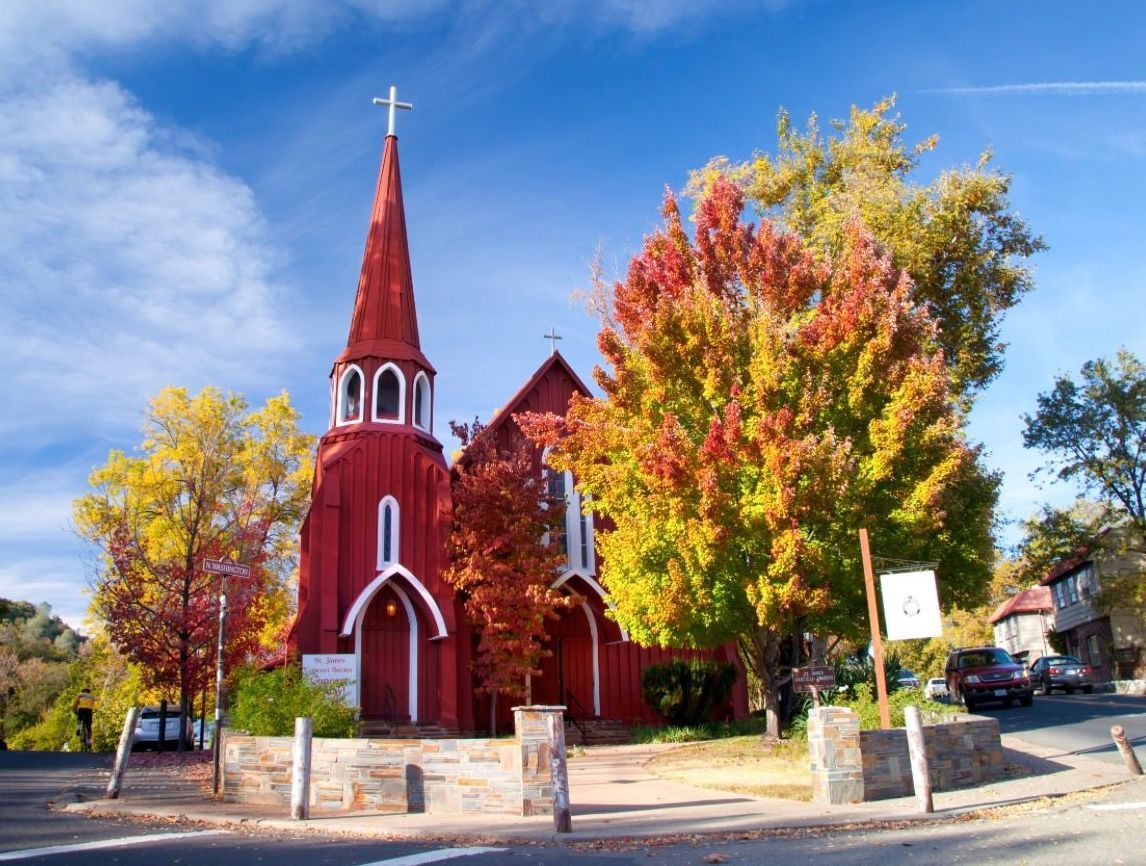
<point>185,188</point>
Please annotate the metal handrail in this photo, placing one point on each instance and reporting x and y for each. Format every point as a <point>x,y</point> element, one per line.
<point>570,698</point>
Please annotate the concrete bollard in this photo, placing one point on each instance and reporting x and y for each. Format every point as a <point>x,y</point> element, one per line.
<point>559,769</point>
<point>920,775</point>
<point>300,777</point>
<point>1127,750</point>
<point>122,754</point>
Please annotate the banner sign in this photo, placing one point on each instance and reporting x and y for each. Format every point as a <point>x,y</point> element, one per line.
<point>333,668</point>
<point>911,605</point>
<point>818,677</point>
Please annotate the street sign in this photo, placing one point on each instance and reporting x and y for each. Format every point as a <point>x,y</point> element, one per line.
<point>814,677</point>
<point>225,566</point>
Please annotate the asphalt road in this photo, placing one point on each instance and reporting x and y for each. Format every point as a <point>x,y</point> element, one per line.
<point>1077,724</point>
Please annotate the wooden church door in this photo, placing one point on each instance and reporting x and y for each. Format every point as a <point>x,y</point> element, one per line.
<point>567,675</point>
<point>386,658</point>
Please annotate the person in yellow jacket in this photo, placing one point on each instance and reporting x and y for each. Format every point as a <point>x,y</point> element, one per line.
<point>84,705</point>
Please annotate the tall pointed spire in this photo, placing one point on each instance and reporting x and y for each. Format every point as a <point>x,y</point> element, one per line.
<point>385,321</point>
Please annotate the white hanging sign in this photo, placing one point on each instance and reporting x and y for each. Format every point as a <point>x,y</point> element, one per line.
<point>911,605</point>
<point>335,667</point>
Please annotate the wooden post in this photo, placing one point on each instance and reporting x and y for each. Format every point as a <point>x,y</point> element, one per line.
<point>122,754</point>
<point>559,771</point>
<point>300,778</point>
<point>920,776</point>
<point>1127,750</point>
<point>876,641</point>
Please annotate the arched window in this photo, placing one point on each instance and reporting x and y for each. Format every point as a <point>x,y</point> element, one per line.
<point>389,394</point>
<point>575,536</point>
<point>349,409</point>
<point>387,531</point>
<point>422,417</point>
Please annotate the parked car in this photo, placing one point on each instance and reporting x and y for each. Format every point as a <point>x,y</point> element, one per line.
<point>204,730</point>
<point>146,734</point>
<point>907,679</point>
<point>1062,672</point>
<point>975,675</point>
<point>936,688</point>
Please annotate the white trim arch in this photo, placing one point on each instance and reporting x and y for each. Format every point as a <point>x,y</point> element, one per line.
<point>384,561</point>
<point>593,585</point>
<point>423,404</point>
<point>341,415</point>
<point>401,418</point>
<point>595,640</point>
<point>352,615</point>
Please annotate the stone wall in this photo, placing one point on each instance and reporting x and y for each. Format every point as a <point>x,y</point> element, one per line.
<point>851,766</point>
<point>959,755</point>
<point>506,777</point>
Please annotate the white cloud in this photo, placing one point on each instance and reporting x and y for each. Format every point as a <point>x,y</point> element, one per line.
<point>127,264</point>
<point>1051,88</point>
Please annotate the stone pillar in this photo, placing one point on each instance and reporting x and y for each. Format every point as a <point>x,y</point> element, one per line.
<point>834,749</point>
<point>531,725</point>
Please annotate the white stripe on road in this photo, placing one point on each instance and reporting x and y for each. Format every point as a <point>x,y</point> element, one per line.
<point>1115,807</point>
<point>433,856</point>
<point>104,843</point>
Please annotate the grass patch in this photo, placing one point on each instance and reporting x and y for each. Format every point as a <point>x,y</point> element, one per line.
<point>695,733</point>
<point>743,765</point>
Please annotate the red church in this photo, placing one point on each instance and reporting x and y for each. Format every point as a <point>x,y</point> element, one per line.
<point>373,545</point>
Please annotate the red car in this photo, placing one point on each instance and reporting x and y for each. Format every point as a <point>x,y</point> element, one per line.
<point>976,675</point>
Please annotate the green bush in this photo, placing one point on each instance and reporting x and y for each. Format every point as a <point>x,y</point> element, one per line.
<point>861,699</point>
<point>266,703</point>
<point>687,692</point>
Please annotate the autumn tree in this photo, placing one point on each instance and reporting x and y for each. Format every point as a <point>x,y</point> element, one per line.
<point>956,236</point>
<point>504,556</point>
<point>213,479</point>
<point>760,406</point>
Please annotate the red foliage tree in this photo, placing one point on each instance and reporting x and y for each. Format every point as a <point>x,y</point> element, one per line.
<point>504,555</point>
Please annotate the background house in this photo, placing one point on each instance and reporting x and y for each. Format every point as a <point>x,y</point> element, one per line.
<point>1107,636</point>
<point>1021,623</point>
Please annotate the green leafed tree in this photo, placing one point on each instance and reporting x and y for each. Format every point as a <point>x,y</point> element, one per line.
<point>956,236</point>
<point>212,479</point>
<point>1093,433</point>
<point>761,404</point>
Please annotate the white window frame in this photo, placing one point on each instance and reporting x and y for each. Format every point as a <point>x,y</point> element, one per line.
<point>395,532</point>
<point>339,416</point>
<point>401,419</point>
<point>423,399</point>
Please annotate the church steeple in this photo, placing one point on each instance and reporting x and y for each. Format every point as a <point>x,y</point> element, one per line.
<point>385,321</point>
<point>382,377</point>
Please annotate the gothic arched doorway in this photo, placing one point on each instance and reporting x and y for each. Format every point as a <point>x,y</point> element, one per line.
<point>389,633</point>
<point>569,675</point>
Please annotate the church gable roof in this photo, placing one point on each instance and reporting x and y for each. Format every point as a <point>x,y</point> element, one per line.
<point>548,390</point>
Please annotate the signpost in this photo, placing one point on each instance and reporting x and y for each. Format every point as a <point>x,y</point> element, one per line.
<point>814,678</point>
<point>226,568</point>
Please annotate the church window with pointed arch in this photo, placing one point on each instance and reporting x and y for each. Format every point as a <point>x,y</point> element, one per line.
<point>389,394</point>
<point>422,401</point>
<point>388,525</point>
<point>349,408</point>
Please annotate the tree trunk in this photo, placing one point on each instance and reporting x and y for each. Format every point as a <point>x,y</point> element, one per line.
<point>493,713</point>
<point>763,648</point>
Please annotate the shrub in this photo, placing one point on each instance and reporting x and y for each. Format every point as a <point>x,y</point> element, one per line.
<point>861,699</point>
<point>687,692</point>
<point>266,703</point>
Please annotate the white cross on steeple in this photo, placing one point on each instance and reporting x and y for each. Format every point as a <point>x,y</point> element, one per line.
<point>393,103</point>
<point>552,338</point>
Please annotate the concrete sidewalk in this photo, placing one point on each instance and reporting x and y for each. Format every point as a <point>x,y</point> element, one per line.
<point>615,797</point>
